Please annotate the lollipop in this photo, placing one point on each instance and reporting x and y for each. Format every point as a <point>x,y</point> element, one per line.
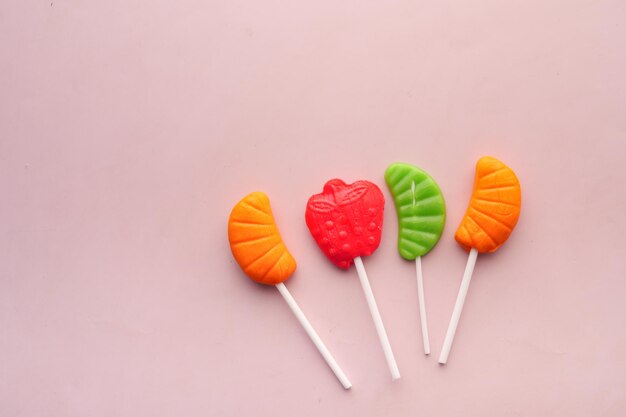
<point>421,217</point>
<point>488,222</point>
<point>259,250</point>
<point>346,222</point>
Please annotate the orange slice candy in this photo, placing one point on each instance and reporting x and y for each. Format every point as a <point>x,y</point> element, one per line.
<point>255,242</point>
<point>494,207</point>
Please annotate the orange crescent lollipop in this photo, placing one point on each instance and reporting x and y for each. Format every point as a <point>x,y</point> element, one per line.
<point>488,222</point>
<point>261,253</point>
<point>255,242</point>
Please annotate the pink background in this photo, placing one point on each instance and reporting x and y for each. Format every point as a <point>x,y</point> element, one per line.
<point>128,130</point>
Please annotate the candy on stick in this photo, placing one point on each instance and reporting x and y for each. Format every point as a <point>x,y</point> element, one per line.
<point>421,216</point>
<point>488,222</point>
<point>260,252</point>
<point>346,222</point>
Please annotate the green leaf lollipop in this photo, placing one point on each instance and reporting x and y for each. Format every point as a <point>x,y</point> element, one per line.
<point>421,217</point>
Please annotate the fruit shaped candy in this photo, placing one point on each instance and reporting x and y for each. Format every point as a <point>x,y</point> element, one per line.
<point>255,242</point>
<point>492,214</point>
<point>260,252</point>
<point>346,221</point>
<point>421,217</point>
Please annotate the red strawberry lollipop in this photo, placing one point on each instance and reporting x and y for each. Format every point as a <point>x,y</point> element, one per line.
<point>346,221</point>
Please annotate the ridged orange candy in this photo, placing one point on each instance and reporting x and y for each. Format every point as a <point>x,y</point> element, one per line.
<point>494,207</point>
<point>255,242</point>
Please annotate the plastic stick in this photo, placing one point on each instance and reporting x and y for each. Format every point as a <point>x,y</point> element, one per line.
<point>378,321</point>
<point>317,341</point>
<point>422,304</point>
<point>458,306</point>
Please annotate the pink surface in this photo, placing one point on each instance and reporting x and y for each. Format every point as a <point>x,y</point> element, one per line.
<point>128,129</point>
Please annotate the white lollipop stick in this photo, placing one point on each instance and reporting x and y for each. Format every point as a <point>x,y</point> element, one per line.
<point>317,341</point>
<point>422,304</point>
<point>378,321</point>
<point>458,306</point>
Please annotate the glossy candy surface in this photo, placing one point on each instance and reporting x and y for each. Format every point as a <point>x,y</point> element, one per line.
<point>346,220</point>
<point>494,207</point>
<point>255,242</point>
<point>420,207</point>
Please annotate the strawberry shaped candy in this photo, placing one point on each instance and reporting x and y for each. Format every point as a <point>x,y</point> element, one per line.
<point>346,220</point>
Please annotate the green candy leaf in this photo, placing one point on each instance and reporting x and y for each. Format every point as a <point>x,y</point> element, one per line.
<point>420,207</point>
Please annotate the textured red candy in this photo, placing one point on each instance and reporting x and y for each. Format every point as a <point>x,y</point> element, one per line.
<point>346,220</point>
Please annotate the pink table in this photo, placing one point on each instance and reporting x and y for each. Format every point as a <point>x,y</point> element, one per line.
<point>128,129</point>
